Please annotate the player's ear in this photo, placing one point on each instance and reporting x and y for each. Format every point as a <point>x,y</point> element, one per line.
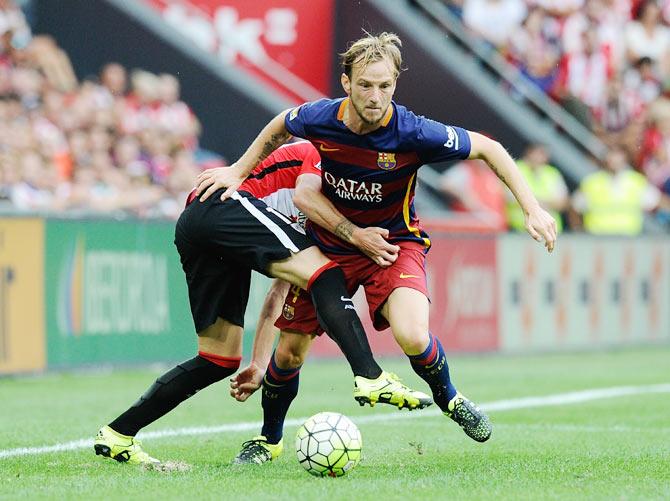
<point>346,83</point>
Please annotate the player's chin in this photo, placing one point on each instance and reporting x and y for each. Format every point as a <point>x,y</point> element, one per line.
<point>372,118</point>
<point>373,114</point>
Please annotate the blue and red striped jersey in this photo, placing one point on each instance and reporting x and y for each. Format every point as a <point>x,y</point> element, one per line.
<point>371,178</point>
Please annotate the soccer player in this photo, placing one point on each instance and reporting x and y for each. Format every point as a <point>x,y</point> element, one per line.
<point>219,243</point>
<point>371,149</point>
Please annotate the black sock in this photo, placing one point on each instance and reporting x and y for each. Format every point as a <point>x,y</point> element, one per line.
<point>280,386</point>
<point>169,390</point>
<point>336,314</point>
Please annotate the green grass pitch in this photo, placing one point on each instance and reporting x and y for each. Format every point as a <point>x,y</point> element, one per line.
<point>608,448</point>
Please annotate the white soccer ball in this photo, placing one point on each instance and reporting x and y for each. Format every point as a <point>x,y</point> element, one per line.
<point>328,444</point>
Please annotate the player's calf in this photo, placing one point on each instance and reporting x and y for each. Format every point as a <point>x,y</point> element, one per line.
<point>280,387</point>
<point>172,388</point>
<point>325,282</point>
<point>117,440</point>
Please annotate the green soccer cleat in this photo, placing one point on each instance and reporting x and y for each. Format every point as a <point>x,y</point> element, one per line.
<point>258,451</point>
<point>122,448</point>
<point>474,422</point>
<point>387,389</point>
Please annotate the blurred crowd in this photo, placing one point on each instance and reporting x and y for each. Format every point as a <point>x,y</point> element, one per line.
<point>605,61</point>
<point>113,143</point>
<point>126,144</point>
<point>611,201</point>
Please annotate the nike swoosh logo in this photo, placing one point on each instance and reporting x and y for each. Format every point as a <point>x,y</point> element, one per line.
<point>323,148</point>
<point>342,298</point>
<point>402,275</point>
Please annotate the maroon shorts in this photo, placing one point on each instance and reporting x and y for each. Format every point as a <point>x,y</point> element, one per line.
<point>408,271</point>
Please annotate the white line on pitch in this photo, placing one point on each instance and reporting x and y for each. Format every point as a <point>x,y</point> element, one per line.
<point>571,428</point>
<point>498,405</point>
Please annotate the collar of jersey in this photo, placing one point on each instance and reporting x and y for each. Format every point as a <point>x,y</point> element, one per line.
<point>385,121</point>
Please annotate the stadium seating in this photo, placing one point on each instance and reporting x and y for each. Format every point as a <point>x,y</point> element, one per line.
<point>102,145</point>
<point>575,52</point>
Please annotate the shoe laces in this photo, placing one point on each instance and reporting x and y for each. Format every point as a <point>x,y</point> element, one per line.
<point>395,378</point>
<point>466,412</point>
<point>254,448</point>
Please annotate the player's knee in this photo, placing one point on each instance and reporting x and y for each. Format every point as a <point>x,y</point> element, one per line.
<point>222,338</point>
<point>412,338</point>
<point>311,259</point>
<point>302,267</point>
<point>289,357</point>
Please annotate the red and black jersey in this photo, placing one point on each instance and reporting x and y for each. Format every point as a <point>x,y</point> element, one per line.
<point>273,180</point>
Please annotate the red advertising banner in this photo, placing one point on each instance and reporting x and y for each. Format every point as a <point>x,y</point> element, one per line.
<point>462,280</point>
<point>286,42</point>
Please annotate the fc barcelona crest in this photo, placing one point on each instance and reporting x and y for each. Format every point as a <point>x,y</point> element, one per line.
<point>289,312</point>
<point>386,161</point>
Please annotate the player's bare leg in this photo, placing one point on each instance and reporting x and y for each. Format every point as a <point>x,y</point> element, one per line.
<point>300,267</point>
<point>219,354</point>
<point>337,316</point>
<point>407,311</point>
<point>280,387</point>
<point>324,280</point>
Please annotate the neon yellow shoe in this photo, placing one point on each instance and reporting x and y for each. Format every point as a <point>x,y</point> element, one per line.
<point>475,423</point>
<point>122,448</point>
<point>258,451</point>
<point>387,389</point>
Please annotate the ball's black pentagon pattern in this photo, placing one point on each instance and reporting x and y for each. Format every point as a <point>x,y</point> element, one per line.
<point>328,444</point>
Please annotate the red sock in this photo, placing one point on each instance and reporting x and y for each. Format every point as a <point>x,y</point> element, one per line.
<point>228,362</point>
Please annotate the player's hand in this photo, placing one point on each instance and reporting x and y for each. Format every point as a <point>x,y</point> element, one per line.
<point>246,382</point>
<point>542,226</point>
<point>211,180</point>
<point>372,242</point>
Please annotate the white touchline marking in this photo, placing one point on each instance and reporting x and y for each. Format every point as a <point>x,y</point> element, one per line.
<point>498,405</point>
<point>614,428</point>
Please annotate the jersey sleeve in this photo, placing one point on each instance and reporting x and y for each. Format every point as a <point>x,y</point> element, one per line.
<point>298,120</point>
<point>311,163</point>
<point>438,142</point>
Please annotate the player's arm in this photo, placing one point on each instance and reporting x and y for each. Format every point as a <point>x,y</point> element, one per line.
<point>371,241</point>
<point>249,379</point>
<point>273,135</point>
<point>539,222</point>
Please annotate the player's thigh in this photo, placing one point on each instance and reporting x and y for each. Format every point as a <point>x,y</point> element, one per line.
<point>244,230</point>
<point>258,236</point>
<point>299,267</point>
<point>292,349</point>
<point>218,294</point>
<point>249,232</point>
<point>222,338</point>
<point>407,312</point>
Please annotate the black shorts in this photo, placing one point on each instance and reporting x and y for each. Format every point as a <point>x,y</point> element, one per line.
<point>221,242</point>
